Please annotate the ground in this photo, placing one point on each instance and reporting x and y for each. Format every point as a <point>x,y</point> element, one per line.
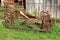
<point>18,34</point>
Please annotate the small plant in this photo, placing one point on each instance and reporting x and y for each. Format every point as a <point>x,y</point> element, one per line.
<point>4,23</point>
<point>35,12</point>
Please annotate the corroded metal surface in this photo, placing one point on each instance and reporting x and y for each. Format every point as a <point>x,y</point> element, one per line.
<point>46,21</point>
<point>11,13</point>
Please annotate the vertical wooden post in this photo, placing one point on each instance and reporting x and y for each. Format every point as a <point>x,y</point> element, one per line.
<point>2,4</point>
<point>22,4</point>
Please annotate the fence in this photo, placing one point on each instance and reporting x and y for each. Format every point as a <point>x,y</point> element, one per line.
<point>52,6</point>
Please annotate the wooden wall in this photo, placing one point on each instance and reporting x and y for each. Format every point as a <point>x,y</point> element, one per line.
<point>39,5</point>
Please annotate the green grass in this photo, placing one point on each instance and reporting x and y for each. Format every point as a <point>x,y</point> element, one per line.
<point>18,34</point>
<point>21,22</point>
<point>1,12</point>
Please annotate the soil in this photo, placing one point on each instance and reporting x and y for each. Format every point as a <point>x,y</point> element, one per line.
<point>1,20</point>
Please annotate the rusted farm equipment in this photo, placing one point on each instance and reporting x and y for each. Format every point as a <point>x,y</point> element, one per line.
<point>46,21</point>
<point>12,13</point>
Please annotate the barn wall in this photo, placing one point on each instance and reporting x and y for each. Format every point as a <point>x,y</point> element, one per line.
<point>46,5</point>
<point>32,5</point>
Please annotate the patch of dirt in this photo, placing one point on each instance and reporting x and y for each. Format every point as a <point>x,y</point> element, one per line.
<point>1,20</point>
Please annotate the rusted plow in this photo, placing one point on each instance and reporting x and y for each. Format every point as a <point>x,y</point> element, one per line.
<point>11,14</point>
